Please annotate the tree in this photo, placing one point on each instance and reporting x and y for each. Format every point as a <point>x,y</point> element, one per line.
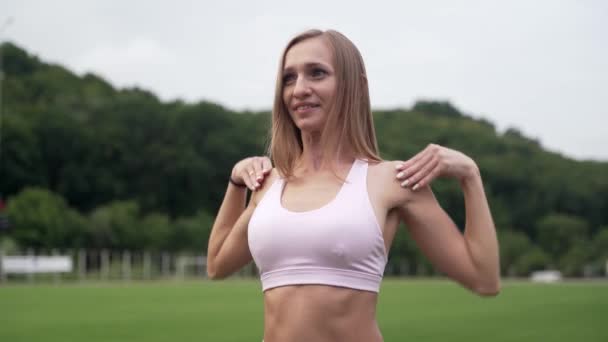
<point>191,233</point>
<point>155,230</point>
<point>95,145</point>
<point>116,225</point>
<point>513,245</point>
<point>535,259</point>
<point>599,251</point>
<point>557,233</point>
<point>42,219</point>
<point>574,261</point>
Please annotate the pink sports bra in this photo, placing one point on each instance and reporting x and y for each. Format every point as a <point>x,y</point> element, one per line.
<point>339,244</point>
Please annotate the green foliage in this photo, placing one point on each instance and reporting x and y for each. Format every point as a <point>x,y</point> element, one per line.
<point>141,173</point>
<point>121,225</point>
<point>8,245</point>
<point>116,225</point>
<point>41,219</point>
<point>572,263</point>
<point>599,252</point>
<point>154,231</point>
<point>16,61</point>
<point>534,259</point>
<point>436,108</point>
<point>513,246</point>
<point>191,233</point>
<point>557,233</point>
<point>21,158</point>
<point>600,244</point>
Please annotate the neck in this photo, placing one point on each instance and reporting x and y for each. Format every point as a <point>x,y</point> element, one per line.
<point>312,154</point>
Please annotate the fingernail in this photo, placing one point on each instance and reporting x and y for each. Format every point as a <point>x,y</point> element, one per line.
<point>400,175</point>
<point>415,187</point>
<point>404,184</point>
<point>398,166</point>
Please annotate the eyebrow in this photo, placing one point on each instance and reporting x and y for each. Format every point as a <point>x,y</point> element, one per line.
<point>307,66</point>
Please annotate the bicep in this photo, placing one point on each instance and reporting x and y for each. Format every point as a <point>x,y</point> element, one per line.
<point>438,237</point>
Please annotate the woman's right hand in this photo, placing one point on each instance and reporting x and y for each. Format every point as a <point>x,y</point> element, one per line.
<point>251,171</point>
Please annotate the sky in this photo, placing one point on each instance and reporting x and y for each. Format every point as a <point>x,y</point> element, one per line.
<point>538,66</point>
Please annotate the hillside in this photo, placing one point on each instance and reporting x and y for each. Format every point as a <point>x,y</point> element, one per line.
<point>93,145</point>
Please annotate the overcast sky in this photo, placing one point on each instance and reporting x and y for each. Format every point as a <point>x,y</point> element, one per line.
<point>540,66</point>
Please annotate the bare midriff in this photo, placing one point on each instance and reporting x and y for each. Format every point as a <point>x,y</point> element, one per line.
<point>320,313</point>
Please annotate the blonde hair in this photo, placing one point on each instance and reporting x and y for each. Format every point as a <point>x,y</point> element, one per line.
<point>349,121</point>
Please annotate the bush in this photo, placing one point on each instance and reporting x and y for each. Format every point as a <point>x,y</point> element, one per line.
<point>533,260</point>
<point>572,264</point>
<point>513,245</point>
<point>42,219</point>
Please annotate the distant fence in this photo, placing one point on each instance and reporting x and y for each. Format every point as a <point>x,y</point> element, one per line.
<point>104,265</point>
<point>111,265</point>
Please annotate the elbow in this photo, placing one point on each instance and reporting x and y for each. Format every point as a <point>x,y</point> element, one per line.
<point>213,274</point>
<point>488,289</point>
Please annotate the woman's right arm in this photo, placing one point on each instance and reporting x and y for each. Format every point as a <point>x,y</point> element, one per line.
<point>228,249</point>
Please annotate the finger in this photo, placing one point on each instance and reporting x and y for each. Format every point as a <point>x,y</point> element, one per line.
<point>419,171</point>
<point>404,165</point>
<point>246,180</point>
<point>250,180</point>
<point>414,167</point>
<point>257,169</point>
<point>408,163</point>
<point>428,179</point>
<point>399,165</point>
<point>266,165</point>
<point>405,169</point>
<point>424,172</point>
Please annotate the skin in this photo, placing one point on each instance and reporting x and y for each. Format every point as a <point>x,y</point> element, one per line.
<point>327,313</point>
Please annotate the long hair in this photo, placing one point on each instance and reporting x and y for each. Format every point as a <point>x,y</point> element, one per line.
<point>349,123</point>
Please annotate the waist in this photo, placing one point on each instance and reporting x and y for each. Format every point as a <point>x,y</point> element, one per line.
<point>320,313</point>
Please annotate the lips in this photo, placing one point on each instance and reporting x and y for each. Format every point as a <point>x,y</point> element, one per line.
<point>304,107</point>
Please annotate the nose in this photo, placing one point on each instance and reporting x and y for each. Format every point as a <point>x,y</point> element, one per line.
<point>301,88</point>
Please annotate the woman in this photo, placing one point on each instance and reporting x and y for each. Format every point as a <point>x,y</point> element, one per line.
<point>320,223</point>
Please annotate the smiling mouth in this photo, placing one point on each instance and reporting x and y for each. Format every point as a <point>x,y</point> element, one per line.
<point>307,107</point>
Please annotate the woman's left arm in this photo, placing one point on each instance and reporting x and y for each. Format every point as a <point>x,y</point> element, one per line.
<point>471,258</point>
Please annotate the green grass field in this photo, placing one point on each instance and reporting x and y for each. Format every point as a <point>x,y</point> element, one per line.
<point>409,310</point>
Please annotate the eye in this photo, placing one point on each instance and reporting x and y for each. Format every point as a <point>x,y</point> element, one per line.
<point>318,73</point>
<point>288,79</point>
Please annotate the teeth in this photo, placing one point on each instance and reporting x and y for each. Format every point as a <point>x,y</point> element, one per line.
<point>304,107</point>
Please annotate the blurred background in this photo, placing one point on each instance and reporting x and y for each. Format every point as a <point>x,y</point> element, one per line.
<point>120,123</point>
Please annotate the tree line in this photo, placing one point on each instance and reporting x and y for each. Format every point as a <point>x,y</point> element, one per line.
<point>84,164</point>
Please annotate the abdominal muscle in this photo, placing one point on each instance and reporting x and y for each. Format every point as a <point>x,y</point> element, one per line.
<point>320,313</point>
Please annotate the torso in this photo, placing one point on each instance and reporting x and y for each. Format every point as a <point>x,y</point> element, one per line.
<point>319,312</point>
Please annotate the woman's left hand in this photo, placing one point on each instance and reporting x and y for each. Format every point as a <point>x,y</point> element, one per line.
<point>432,162</point>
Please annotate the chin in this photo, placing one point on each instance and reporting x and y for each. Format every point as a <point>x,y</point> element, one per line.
<point>309,124</point>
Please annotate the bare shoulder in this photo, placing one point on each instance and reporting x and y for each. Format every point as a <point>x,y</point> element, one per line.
<point>383,168</point>
<point>382,177</point>
<point>257,195</point>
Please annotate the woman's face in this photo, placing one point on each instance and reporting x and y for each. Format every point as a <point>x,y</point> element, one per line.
<point>309,83</point>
